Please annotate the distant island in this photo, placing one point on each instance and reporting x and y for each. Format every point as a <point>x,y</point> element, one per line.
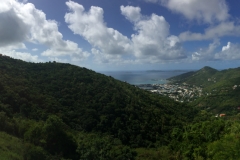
<point>183,70</point>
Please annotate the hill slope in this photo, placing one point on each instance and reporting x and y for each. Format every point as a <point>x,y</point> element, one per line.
<point>88,101</point>
<point>199,77</point>
<point>221,88</point>
<point>61,111</point>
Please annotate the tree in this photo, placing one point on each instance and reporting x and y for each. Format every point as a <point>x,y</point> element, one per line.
<point>57,139</point>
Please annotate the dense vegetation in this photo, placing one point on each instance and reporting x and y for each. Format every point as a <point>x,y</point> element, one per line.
<point>49,101</point>
<point>60,111</point>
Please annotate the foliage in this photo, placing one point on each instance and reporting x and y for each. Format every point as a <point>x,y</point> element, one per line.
<point>228,146</point>
<point>93,146</point>
<point>88,101</point>
<point>10,147</point>
<point>192,140</point>
<point>162,153</point>
<point>60,111</point>
<point>53,136</point>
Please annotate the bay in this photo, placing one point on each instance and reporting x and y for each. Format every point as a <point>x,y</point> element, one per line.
<point>144,77</point>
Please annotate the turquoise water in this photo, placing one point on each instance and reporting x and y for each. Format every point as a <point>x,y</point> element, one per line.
<point>144,77</point>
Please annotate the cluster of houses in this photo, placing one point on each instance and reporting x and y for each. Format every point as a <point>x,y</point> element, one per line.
<point>178,92</point>
<point>235,86</point>
<point>212,80</point>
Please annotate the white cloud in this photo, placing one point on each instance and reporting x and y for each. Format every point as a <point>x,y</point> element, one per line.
<point>152,41</point>
<point>196,56</point>
<point>131,13</point>
<point>32,26</point>
<point>67,49</point>
<point>92,27</point>
<point>100,57</point>
<point>206,54</point>
<point>34,49</point>
<point>213,12</point>
<point>9,21</point>
<point>220,30</point>
<point>10,50</point>
<point>229,52</point>
<point>23,56</point>
<point>201,10</point>
<point>20,55</point>
<point>224,48</point>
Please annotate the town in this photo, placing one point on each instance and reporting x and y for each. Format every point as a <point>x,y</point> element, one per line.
<point>182,92</point>
<point>178,92</point>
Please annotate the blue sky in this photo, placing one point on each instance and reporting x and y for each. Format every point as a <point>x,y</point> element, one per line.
<point>123,35</point>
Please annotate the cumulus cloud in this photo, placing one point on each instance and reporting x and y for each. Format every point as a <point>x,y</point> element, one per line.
<point>91,26</point>
<point>152,39</point>
<point>214,12</point>
<point>224,48</point>
<point>229,52</point>
<point>23,55</point>
<point>131,13</point>
<point>151,42</point>
<point>67,49</point>
<point>220,30</point>
<point>24,23</point>
<point>107,58</point>
<point>206,54</point>
<point>201,10</point>
<point>8,32</point>
<point>10,51</point>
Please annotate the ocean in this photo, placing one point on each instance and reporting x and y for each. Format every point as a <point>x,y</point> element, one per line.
<point>144,77</point>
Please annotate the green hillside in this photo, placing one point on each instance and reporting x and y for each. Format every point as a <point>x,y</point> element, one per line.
<point>200,78</point>
<point>207,77</point>
<point>81,100</point>
<point>56,111</point>
<point>220,95</point>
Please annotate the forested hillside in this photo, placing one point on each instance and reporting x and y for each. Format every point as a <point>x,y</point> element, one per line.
<point>58,111</point>
<point>85,101</point>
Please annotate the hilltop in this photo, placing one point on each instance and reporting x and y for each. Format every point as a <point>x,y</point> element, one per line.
<point>206,76</point>
<point>200,77</point>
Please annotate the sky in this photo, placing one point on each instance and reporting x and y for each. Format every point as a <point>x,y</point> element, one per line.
<point>109,35</point>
